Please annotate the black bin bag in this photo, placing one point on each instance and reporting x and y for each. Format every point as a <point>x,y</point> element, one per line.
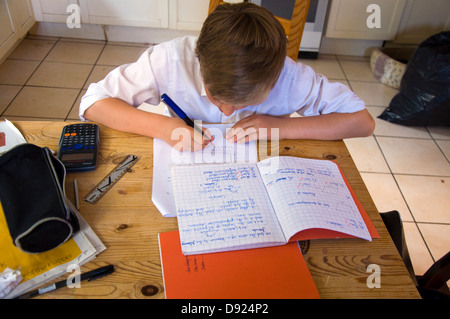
<point>424,94</point>
<point>33,199</point>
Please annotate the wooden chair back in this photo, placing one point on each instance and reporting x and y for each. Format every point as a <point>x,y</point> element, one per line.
<point>293,27</point>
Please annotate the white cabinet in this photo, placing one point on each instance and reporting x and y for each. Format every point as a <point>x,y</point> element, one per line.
<point>422,19</point>
<point>22,16</point>
<point>6,24</point>
<point>16,18</point>
<point>348,19</point>
<point>172,14</point>
<point>148,21</point>
<point>187,15</point>
<point>135,13</point>
<point>51,10</point>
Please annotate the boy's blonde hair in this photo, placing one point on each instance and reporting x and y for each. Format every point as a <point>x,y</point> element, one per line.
<point>241,49</point>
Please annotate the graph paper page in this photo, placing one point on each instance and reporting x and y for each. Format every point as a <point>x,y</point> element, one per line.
<point>223,207</point>
<point>309,193</point>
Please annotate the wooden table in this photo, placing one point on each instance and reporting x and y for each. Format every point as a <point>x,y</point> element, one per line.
<point>128,223</point>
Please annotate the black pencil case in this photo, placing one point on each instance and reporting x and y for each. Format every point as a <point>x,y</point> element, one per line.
<point>32,195</point>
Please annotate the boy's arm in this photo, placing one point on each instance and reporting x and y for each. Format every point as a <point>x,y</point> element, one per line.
<point>333,126</point>
<point>330,110</point>
<point>117,114</point>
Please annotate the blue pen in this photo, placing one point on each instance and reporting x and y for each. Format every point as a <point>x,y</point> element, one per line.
<point>178,111</point>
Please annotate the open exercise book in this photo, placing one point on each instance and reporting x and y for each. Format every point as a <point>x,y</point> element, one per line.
<point>232,206</point>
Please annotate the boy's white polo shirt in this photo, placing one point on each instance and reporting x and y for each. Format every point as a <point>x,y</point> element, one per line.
<point>173,68</point>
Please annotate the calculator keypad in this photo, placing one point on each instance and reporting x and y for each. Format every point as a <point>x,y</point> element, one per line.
<point>78,137</point>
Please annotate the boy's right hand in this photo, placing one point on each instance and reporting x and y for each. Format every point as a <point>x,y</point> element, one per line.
<point>182,137</point>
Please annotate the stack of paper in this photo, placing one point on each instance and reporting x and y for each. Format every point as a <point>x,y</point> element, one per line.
<point>9,136</point>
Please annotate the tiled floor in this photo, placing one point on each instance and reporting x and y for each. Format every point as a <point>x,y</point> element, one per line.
<point>404,168</point>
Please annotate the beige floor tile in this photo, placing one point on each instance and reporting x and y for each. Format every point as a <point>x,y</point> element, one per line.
<point>73,114</point>
<point>71,52</point>
<point>373,93</point>
<point>131,44</point>
<point>367,155</point>
<point>437,238</point>
<point>116,55</point>
<point>386,194</point>
<point>420,256</point>
<point>384,128</point>
<point>7,94</point>
<point>427,197</point>
<point>444,145</point>
<point>439,132</point>
<point>42,102</point>
<point>17,72</point>
<point>64,75</point>
<point>30,49</point>
<point>414,156</point>
<point>358,71</point>
<point>326,66</point>
<point>98,73</point>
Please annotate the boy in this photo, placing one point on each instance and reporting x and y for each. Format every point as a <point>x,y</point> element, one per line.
<point>235,72</point>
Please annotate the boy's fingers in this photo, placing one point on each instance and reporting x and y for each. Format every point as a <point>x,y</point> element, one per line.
<point>251,136</point>
<point>233,133</point>
<point>241,135</point>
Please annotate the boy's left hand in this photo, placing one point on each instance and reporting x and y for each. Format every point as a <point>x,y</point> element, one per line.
<point>254,127</point>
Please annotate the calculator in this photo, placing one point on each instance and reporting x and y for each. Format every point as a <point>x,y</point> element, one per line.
<point>78,147</point>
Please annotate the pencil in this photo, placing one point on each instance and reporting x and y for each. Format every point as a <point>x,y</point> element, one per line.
<point>75,190</point>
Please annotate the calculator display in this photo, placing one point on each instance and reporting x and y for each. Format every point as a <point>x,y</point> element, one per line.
<point>77,156</point>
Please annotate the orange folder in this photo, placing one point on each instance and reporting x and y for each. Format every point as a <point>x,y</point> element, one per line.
<point>278,272</point>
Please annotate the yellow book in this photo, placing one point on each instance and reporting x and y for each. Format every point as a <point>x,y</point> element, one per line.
<point>32,265</point>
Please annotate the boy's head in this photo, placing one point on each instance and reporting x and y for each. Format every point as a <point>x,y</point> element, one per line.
<point>241,49</point>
